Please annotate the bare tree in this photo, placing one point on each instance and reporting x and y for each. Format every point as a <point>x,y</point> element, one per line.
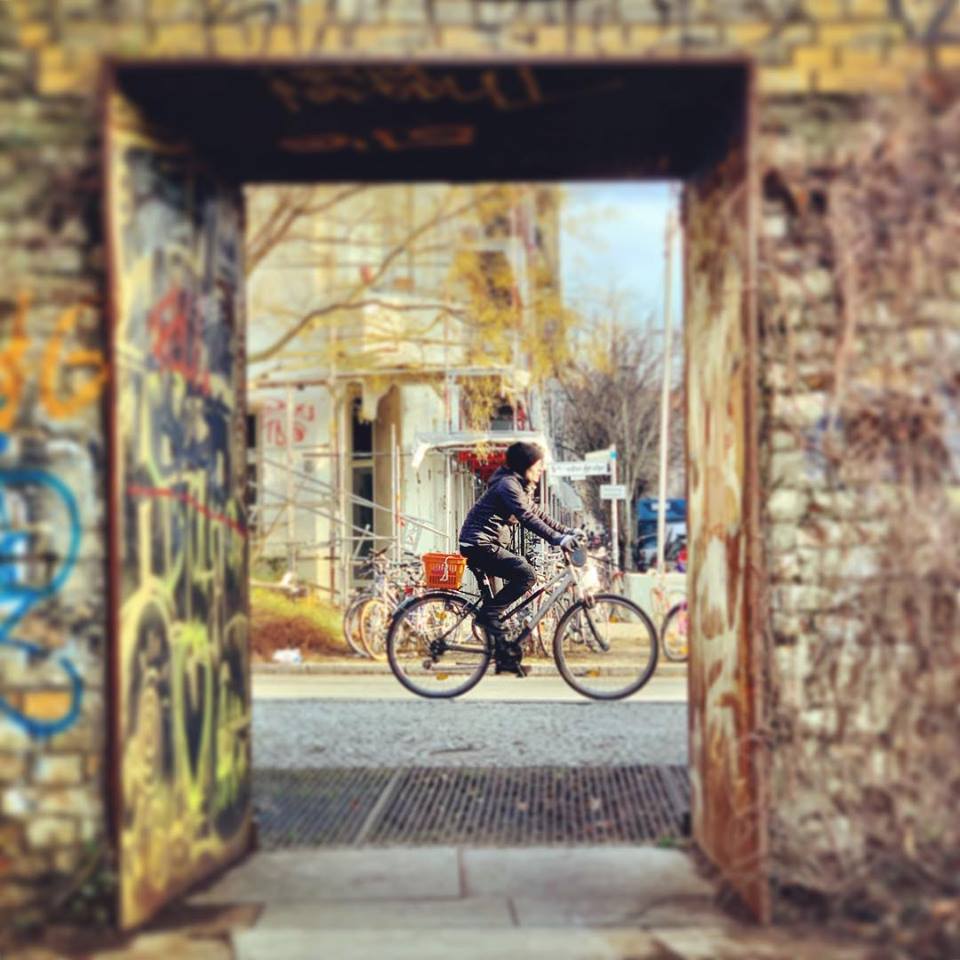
<point>612,395</point>
<point>455,246</point>
<point>324,223</point>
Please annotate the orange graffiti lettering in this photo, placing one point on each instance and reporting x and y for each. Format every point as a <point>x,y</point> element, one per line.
<point>11,367</point>
<point>56,361</point>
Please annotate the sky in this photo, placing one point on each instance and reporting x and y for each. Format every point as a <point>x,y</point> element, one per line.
<point>612,239</point>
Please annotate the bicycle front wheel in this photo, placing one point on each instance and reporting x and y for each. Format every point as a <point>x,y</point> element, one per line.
<point>432,648</point>
<point>607,649</point>
<point>674,633</point>
<point>374,622</point>
<point>351,626</point>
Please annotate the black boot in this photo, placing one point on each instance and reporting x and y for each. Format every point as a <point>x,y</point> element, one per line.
<point>507,654</point>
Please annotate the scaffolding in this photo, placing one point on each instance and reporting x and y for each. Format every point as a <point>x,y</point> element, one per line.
<point>306,494</point>
<point>306,512</point>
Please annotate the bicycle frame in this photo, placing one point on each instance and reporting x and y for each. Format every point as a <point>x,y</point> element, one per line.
<point>563,580</point>
<point>560,582</point>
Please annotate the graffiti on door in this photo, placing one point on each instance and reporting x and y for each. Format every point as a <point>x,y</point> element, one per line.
<point>184,719</point>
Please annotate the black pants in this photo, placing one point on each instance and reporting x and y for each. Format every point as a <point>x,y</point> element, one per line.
<point>496,561</point>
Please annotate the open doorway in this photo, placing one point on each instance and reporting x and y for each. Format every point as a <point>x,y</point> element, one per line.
<point>179,151</point>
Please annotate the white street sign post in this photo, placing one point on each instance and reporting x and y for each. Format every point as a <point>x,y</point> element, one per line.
<point>665,397</point>
<point>613,491</point>
<point>614,526</point>
<point>579,469</point>
<point>597,463</point>
<point>603,454</point>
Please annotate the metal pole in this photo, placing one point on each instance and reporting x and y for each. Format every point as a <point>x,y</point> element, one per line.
<point>395,489</point>
<point>614,526</point>
<point>448,504</point>
<point>291,517</point>
<point>665,397</point>
<point>345,476</point>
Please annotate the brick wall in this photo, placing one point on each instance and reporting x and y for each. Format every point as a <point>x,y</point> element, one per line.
<point>813,56</point>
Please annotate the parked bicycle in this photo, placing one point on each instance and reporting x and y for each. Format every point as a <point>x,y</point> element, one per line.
<point>604,645</point>
<point>674,633</point>
<point>368,614</point>
<point>670,608</point>
<point>611,576</point>
<point>351,622</point>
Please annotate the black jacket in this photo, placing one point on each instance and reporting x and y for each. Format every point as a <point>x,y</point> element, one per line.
<point>507,498</point>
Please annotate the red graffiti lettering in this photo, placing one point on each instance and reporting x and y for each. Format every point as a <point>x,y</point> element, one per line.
<point>177,341</point>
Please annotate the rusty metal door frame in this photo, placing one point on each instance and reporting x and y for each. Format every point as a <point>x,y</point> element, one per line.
<point>755,594</point>
<point>746,829</point>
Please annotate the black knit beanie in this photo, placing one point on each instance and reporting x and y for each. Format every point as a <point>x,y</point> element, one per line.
<point>522,455</point>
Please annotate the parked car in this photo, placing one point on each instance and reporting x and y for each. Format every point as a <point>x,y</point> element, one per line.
<point>645,546</point>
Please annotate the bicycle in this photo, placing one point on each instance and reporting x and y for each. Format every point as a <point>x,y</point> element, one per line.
<point>674,625</point>
<point>377,607</point>
<point>604,645</point>
<point>611,576</point>
<point>361,613</point>
<point>351,623</point>
<point>674,633</point>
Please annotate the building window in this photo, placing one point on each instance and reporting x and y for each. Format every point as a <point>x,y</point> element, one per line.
<point>361,480</point>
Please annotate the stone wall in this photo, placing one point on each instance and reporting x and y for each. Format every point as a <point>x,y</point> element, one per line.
<point>812,54</point>
<point>860,341</point>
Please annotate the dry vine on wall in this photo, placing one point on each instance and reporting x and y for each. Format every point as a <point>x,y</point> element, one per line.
<point>862,295</point>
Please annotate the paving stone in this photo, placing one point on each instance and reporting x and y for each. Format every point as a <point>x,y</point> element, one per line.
<point>751,943</point>
<point>305,876</point>
<point>485,912</point>
<point>477,944</point>
<point>617,911</point>
<point>645,873</point>
<point>164,946</point>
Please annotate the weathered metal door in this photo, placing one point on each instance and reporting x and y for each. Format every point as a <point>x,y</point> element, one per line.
<point>726,768</point>
<point>180,657</point>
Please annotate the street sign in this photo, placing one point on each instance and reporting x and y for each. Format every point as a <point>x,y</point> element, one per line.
<point>613,491</point>
<point>607,453</point>
<point>579,469</point>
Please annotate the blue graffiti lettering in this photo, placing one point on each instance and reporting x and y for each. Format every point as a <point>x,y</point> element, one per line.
<point>18,598</point>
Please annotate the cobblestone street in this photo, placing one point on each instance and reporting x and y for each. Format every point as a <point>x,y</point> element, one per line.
<point>300,734</point>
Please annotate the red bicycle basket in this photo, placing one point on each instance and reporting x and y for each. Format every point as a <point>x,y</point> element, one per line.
<point>443,570</point>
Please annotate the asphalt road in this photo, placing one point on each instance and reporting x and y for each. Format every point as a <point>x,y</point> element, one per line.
<point>361,721</point>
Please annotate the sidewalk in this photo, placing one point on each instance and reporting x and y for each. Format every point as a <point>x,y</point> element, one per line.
<point>446,903</point>
<point>357,666</point>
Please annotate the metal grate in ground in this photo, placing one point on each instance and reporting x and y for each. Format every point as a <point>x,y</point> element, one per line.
<point>521,806</point>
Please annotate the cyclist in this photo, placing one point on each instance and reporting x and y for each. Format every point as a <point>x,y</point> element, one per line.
<point>508,499</point>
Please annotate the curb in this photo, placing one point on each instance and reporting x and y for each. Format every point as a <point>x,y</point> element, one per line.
<point>382,669</point>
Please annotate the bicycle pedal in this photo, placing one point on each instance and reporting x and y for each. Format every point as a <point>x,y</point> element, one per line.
<point>428,663</point>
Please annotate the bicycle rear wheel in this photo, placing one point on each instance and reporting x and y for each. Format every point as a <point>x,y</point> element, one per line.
<point>674,633</point>
<point>432,648</point>
<point>606,650</point>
